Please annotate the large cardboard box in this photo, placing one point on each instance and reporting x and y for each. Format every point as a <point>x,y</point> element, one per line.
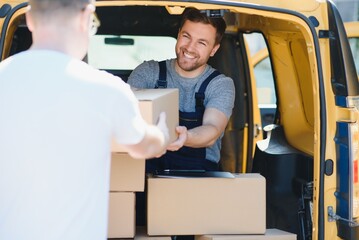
<point>152,102</point>
<point>127,173</point>
<point>121,216</point>
<point>195,206</point>
<point>141,234</point>
<point>270,234</point>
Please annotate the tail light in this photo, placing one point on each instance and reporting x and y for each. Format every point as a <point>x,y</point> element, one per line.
<point>347,142</point>
<point>353,171</point>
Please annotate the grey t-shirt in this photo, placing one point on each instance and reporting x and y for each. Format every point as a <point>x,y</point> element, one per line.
<point>219,93</point>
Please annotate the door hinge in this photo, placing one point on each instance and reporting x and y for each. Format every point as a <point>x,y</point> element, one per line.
<point>326,34</point>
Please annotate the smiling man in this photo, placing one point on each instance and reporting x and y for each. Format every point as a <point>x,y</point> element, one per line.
<point>206,96</point>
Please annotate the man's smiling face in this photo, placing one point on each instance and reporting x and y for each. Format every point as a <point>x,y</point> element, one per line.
<point>195,44</point>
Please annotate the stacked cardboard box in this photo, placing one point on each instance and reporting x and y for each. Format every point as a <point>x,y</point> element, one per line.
<point>270,234</point>
<point>210,208</point>
<point>196,206</point>
<point>127,173</point>
<point>141,234</point>
<point>127,177</point>
<point>121,218</point>
<point>184,206</point>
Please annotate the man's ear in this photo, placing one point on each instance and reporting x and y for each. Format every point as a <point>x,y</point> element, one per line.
<point>214,50</point>
<point>85,17</point>
<point>29,21</point>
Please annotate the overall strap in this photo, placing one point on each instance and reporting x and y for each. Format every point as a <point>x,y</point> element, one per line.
<point>162,78</point>
<point>200,94</point>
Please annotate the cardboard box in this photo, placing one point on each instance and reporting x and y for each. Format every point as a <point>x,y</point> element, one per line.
<point>270,234</point>
<point>127,173</point>
<point>141,234</point>
<point>121,216</point>
<point>152,102</point>
<point>196,206</point>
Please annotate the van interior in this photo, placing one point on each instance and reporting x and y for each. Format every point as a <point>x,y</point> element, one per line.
<point>285,156</point>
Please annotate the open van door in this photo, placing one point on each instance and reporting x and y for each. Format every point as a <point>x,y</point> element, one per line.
<point>263,73</point>
<point>255,120</point>
<point>352,29</point>
<point>244,128</point>
<point>12,18</point>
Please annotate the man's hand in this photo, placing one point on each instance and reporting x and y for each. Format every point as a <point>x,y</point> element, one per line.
<point>154,143</point>
<point>162,125</point>
<point>179,142</point>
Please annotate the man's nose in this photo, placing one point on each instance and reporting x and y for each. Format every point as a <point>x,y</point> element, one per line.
<point>190,46</point>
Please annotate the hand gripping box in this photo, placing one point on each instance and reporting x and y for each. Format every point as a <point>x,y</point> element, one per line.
<point>270,234</point>
<point>196,206</point>
<point>127,173</point>
<point>121,215</point>
<point>152,102</point>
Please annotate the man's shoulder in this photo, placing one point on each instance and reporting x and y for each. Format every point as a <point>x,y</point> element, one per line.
<point>221,83</point>
<point>17,58</point>
<point>220,78</point>
<point>92,76</point>
<point>144,75</point>
<point>148,65</point>
<point>5,63</point>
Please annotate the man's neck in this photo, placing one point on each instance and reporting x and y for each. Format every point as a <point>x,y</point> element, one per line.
<point>189,74</point>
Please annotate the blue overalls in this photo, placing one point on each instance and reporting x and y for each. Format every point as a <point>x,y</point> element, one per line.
<point>186,157</point>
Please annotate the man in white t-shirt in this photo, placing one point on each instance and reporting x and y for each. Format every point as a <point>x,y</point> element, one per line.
<point>57,118</point>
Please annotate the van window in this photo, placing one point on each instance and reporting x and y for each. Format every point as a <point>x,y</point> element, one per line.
<point>265,82</point>
<point>127,52</point>
<point>354,45</point>
<point>264,77</point>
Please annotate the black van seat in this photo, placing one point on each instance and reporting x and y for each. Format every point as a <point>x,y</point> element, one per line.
<point>226,60</point>
<point>123,74</point>
<point>287,172</point>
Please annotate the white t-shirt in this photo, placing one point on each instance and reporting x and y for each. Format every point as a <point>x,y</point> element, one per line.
<point>57,117</point>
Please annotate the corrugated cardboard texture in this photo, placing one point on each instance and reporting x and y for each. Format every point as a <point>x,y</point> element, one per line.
<point>194,206</point>
<point>271,234</point>
<point>121,217</point>
<point>152,102</point>
<point>127,173</point>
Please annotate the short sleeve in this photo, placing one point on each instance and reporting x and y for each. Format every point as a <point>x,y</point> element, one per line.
<point>144,75</point>
<point>220,94</point>
<point>128,124</point>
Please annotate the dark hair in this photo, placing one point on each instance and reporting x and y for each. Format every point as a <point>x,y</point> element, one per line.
<point>194,15</point>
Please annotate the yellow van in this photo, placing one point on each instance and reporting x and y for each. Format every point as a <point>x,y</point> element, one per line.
<point>310,154</point>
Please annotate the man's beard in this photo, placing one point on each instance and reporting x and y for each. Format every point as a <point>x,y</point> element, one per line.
<point>187,64</point>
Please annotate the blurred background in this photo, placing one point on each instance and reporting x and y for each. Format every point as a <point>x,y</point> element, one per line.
<point>349,9</point>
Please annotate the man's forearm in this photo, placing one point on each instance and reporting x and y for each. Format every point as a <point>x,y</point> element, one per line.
<point>155,141</point>
<point>214,123</point>
<point>202,136</point>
